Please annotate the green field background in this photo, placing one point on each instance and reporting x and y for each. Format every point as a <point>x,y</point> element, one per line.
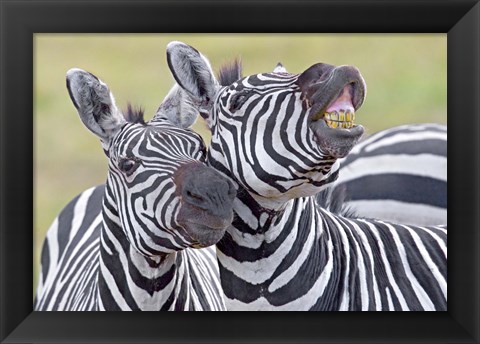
<point>406,78</point>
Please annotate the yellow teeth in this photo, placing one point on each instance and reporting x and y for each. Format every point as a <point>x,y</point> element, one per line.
<point>339,119</point>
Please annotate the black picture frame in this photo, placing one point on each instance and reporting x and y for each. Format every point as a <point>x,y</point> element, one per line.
<point>19,20</point>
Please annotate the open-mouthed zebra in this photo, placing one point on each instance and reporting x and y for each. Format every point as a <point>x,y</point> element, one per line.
<point>142,241</point>
<point>279,136</point>
<point>398,174</point>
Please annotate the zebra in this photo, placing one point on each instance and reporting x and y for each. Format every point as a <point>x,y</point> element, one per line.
<point>278,137</point>
<point>143,240</point>
<point>398,174</point>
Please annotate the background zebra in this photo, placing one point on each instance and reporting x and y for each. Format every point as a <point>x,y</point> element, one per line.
<point>159,201</point>
<point>279,136</point>
<point>398,174</point>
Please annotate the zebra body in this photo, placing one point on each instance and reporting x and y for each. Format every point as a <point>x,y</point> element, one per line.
<point>306,258</point>
<point>71,253</point>
<point>398,174</point>
<point>141,241</point>
<point>279,136</point>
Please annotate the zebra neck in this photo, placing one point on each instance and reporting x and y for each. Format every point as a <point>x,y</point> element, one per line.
<point>264,260</point>
<point>128,280</point>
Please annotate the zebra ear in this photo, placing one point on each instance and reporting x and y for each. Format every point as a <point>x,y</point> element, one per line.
<point>95,103</point>
<point>279,68</point>
<point>193,73</point>
<point>177,107</point>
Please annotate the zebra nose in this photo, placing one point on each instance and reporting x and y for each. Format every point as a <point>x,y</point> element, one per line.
<point>208,190</point>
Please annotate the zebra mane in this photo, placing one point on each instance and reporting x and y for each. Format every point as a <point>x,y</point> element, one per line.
<point>230,72</point>
<point>134,115</point>
<point>334,200</point>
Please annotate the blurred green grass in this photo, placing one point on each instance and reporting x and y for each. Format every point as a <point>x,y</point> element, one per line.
<point>406,77</point>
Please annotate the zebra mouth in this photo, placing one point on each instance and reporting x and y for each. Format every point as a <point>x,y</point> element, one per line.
<point>204,235</point>
<point>334,127</point>
<point>204,228</point>
<point>340,113</point>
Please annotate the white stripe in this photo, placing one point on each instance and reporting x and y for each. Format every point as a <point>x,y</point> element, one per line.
<point>429,262</point>
<point>391,307</point>
<point>400,212</point>
<point>406,137</point>
<point>304,302</point>
<point>344,251</point>
<point>440,242</point>
<point>367,248</point>
<point>262,269</point>
<point>79,211</point>
<point>417,288</point>
<point>386,263</point>
<point>72,261</point>
<point>116,294</point>
<point>290,273</point>
<point>431,166</point>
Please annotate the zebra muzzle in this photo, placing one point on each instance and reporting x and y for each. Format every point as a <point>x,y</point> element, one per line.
<point>206,202</point>
<point>340,113</point>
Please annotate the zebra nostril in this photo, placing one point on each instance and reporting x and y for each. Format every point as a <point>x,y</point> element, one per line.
<point>195,197</point>
<point>207,189</point>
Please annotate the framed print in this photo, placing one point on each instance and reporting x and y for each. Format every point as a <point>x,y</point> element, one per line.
<point>25,30</point>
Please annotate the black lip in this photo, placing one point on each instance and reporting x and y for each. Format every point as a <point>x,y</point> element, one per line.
<point>337,142</point>
<point>203,227</point>
<point>204,235</point>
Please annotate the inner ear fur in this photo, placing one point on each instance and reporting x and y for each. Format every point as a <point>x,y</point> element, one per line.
<point>192,71</point>
<point>95,103</point>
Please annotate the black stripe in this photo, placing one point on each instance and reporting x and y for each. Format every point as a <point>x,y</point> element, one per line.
<point>435,147</point>
<point>120,281</point>
<point>197,285</point>
<point>106,296</point>
<point>394,260</point>
<point>379,187</point>
<point>237,288</point>
<point>407,129</point>
<point>421,271</point>
<point>66,269</point>
<point>45,260</point>
<point>65,224</point>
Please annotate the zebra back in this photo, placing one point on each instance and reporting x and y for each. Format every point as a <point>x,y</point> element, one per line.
<point>398,174</point>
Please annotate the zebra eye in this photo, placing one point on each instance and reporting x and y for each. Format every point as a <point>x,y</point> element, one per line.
<point>127,165</point>
<point>237,100</point>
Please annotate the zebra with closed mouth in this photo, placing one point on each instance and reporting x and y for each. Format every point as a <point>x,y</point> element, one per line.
<point>129,245</point>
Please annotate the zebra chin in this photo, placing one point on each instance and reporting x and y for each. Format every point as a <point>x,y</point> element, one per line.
<point>207,233</point>
<point>336,142</point>
<point>204,226</point>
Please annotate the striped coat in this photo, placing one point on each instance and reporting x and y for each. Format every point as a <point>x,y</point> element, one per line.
<point>279,138</point>
<point>398,174</point>
<point>141,241</point>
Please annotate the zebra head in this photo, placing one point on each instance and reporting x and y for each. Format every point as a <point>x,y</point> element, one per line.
<point>277,134</point>
<point>159,191</point>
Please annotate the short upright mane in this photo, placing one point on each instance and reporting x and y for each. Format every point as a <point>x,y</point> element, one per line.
<point>230,72</point>
<point>134,115</point>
